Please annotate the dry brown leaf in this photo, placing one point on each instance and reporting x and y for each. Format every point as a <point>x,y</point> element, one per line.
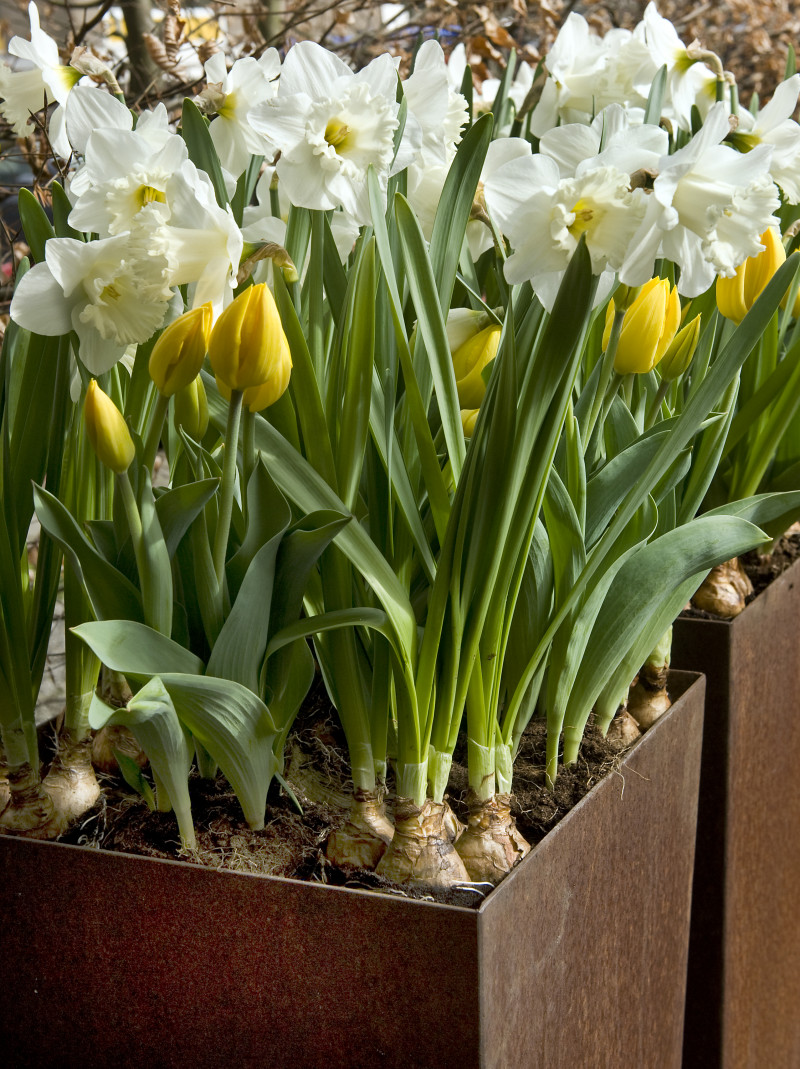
<point>158,53</point>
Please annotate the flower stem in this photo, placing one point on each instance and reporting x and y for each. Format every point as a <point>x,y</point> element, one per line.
<point>655,407</point>
<point>226,490</point>
<point>605,375</point>
<point>248,449</point>
<point>154,429</point>
<point>151,596</point>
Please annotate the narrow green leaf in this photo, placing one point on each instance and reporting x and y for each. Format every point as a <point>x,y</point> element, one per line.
<point>38,228</point>
<point>195,132</point>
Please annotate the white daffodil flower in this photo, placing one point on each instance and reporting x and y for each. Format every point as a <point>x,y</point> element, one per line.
<point>708,207</point>
<point>331,125</point>
<point>616,138</point>
<point>544,216</point>
<point>201,242</point>
<point>103,290</point>
<point>46,81</point>
<point>588,72</point>
<point>773,125</point>
<point>440,111</point>
<point>690,82</point>
<point>89,109</point>
<point>125,170</point>
<point>233,94</point>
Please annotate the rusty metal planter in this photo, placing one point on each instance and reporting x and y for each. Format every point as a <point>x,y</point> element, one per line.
<point>743,994</point>
<point>577,959</point>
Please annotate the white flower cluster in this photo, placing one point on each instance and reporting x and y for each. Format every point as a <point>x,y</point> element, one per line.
<point>698,187</point>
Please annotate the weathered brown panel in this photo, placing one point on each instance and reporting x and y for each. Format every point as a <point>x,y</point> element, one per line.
<point>133,961</point>
<point>600,969</point>
<point>743,1008</point>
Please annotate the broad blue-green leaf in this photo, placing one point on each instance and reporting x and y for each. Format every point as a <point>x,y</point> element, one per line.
<point>240,645</point>
<point>773,513</point>
<point>150,715</point>
<point>268,515</point>
<point>237,730</point>
<point>178,508</point>
<point>113,597</point>
<point>647,580</point>
<point>137,650</point>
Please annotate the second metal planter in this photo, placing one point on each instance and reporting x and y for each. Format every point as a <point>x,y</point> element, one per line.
<point>743,995</point>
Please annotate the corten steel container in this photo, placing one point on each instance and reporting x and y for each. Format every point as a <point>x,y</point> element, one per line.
<point>578,959</point>
<point>743,994</point>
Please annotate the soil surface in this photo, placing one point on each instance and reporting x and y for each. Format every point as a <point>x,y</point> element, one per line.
<point>762,569</point>
<point>292,843</point>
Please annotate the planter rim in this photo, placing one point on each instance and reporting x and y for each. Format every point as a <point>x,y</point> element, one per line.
<point>680,682</point>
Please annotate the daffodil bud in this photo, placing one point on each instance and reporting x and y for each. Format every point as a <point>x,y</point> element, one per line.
<point>680,352</point>
<point>470,360</point>
<point>647,329</point>
<point>247,339</point>
<point>107,430</point>
<point>178,354</point>
<point>469,417</point>
<point>737,295</point>
<point>191,409</point>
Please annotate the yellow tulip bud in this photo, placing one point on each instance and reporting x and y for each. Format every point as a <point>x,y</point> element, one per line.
<point>247,339</point>
<point>647,329</point>
<point>469,417</point>
<point>469,360</point>
<point>107,430</point>
<point>191,409</point>
<point>178,354</point>
<point>680,352</point>
<point>737,295</point>
<point>257,398</point>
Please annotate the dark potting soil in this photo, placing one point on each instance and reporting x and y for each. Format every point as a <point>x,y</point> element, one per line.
<point>762,569</point>
<point>292,844</point>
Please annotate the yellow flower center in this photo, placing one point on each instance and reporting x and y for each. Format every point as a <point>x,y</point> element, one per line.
<point>109,293</point>
<point>149,194</point>
<point>337,134</point>
<point>586,218</point>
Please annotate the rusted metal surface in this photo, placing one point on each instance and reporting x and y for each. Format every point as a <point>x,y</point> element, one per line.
<point>743,993</point>
<point>577,959</point>
<point>600,971</point>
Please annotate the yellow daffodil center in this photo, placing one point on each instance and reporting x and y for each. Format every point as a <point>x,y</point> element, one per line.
<point>227,109</point>
<point>586,218</point>
<point>337,134</point>
<point>109,293</point>
<point>149,195</point>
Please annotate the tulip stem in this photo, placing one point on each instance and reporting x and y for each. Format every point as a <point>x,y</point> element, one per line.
<point>248,449</point>
<point>137,540</point>
<point>655,407</point>
<point>605,375</point>
<point>226,489</point>
<point>157,417</point>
